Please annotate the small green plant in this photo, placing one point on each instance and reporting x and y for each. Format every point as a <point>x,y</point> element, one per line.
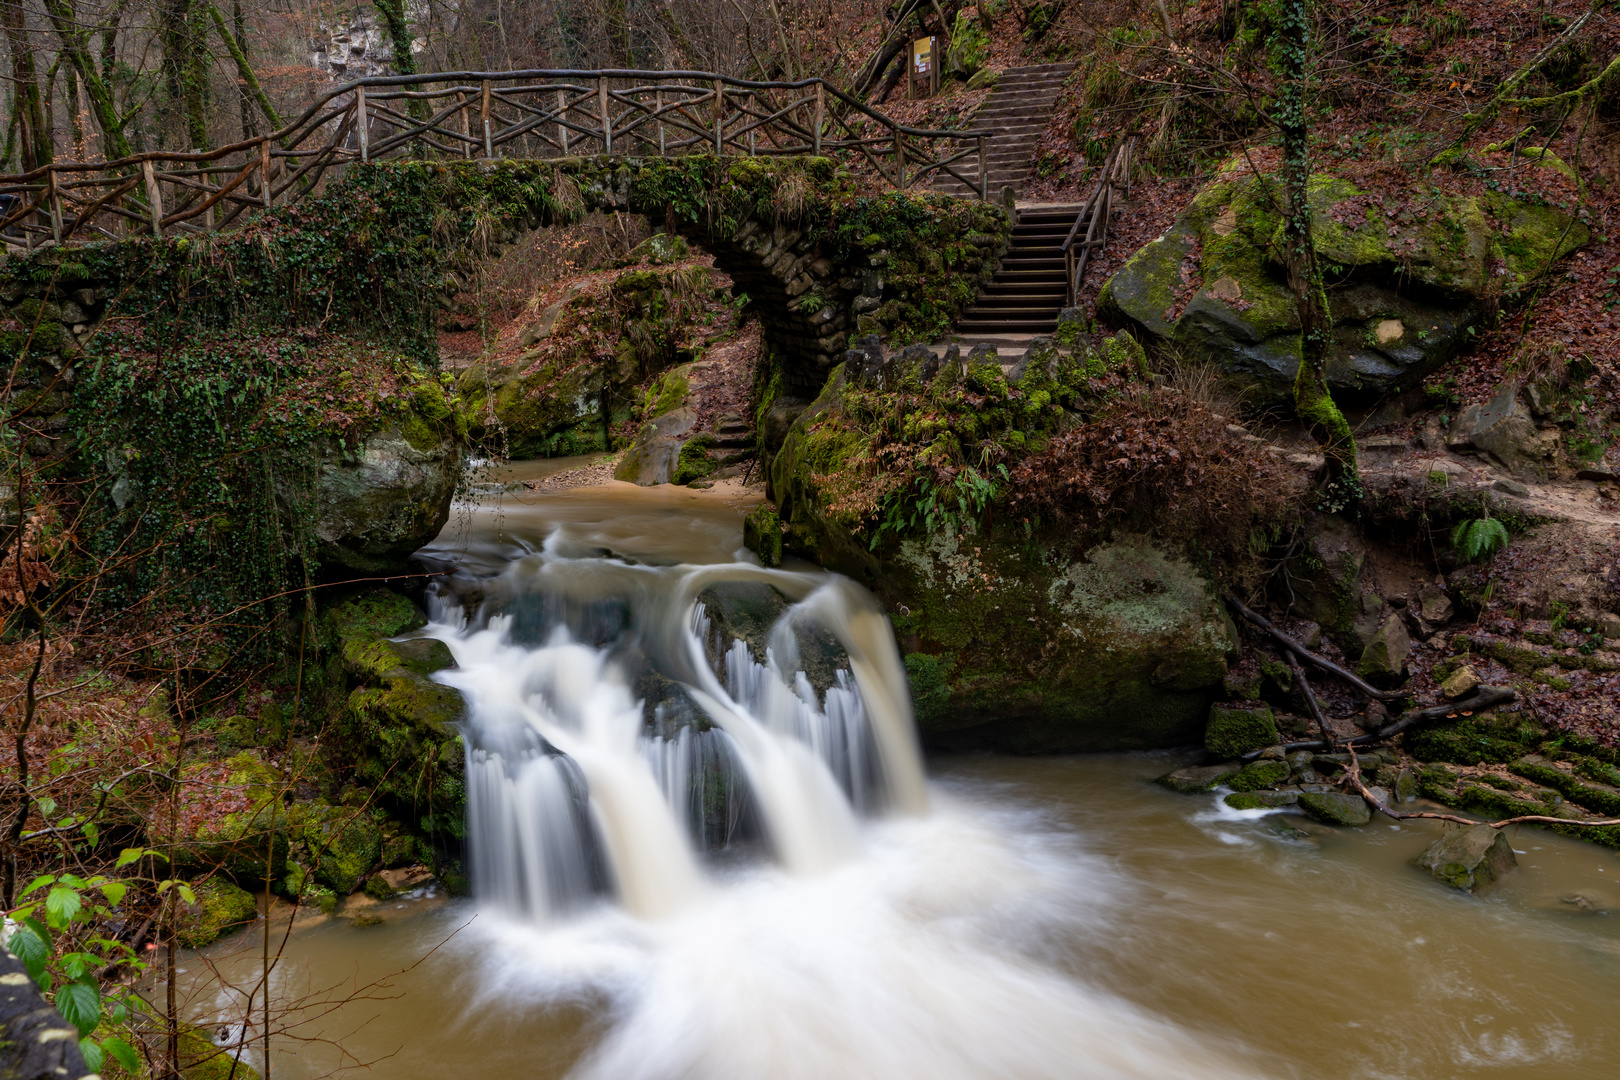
<point>1478,539</point>
<point>1560,615</point>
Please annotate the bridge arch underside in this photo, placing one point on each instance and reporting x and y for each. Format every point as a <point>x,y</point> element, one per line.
<point>808,301</point>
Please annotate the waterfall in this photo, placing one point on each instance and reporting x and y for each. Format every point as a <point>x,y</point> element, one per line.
<point>576,788</point>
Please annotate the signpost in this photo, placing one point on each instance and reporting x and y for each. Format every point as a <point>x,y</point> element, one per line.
<point>923,77</point>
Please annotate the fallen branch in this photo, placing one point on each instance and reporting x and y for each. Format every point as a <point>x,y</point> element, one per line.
<point>1483,698</point>
<point>1352,772</point>
<point>1296,647</point>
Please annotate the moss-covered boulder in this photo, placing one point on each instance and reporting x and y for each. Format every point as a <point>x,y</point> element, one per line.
<point>399,729</point>
<point>1235,729</point>
<point>1412,278</point>
<point>1335,807</point>
<point>219,906</point>
<point>202,1059</point>
<point>1032,638</point>
<point>1260,774</point>
<point>564,396</point>
<point>380,500</point>
<point>1469,859</point>
<point>341,843</point>
<point>231,820</point>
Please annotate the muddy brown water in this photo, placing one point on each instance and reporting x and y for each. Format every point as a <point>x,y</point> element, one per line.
<point>1286,947</point>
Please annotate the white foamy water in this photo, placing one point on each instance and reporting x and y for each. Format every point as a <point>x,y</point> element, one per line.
<point>879,929</point>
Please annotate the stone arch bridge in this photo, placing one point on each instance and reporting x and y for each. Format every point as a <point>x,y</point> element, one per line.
<point>813,203</point>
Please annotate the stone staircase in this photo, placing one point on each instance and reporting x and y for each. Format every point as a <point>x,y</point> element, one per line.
<point>1015,114</point>
<point>733,439</point>
<point>1029,289</point>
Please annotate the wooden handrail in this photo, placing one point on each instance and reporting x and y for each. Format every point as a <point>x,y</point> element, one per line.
<point>545,111</point>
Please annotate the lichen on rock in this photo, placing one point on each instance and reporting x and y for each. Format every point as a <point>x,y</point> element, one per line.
<point>1412,280</point>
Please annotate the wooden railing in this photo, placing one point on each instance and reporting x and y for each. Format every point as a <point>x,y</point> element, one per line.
<point>1096,215</point>
<point>475,114</point>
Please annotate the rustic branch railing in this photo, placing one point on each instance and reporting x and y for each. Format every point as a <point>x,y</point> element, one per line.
<point>474,114</point>
<point>1096,215</point>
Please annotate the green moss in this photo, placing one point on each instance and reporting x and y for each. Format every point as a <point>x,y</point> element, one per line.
<point>201,1060</point>
<point>343,843</point>
<point>220,906</point>
<point>1260,774</point>
<point>1474,740</point>
<point>929,677</point>
<point>762,534</point>
<point>1233,731</point>
<point>377,613</point>
<point>695,461</point>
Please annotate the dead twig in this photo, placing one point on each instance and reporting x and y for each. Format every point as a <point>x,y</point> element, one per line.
<point>1297,648</point>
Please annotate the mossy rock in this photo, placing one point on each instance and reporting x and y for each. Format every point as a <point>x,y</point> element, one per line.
<point>762,534</point>
<point>1475,740</point>
<point>220,906</point>
<point>200,1059</point>
<point>1035,647</point>
<point>231,820</point>
<point>374,614</point>
<point>1260,774</point>
<point>1234,730</point>
<point>344,843</point>
<point>1413,279</point>
<point>401,737</point>
<point>377,503</point>
<point>1335,808</point>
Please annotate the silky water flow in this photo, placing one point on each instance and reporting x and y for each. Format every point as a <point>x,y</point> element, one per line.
<point>736,840</point>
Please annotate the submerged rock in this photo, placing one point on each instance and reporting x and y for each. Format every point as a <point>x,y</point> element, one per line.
<point>1412,280</point>
<point>1261,800</point>
<point>1196,778</point>
<point>1335,807</point>
<point>1470,858</point>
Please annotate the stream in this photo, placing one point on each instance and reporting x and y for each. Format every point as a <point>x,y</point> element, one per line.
<point>696,860</point>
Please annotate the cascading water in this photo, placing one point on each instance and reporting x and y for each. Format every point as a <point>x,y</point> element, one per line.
<point>697,789</point>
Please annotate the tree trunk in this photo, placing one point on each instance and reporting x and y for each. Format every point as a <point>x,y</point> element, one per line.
<point>244,71</point>
<point>1313,402</point>
<point>399,34</point>
<point>35,138</point>
<point>182,33</point>
<point>75,37</point>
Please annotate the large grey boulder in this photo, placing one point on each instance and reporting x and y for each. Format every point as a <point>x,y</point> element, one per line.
<point>1414,278</point>
<point>1503,429</point>
<point>1469,859</point>
<point>378,502</point>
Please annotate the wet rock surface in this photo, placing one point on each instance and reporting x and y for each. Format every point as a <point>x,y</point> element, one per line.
<point>1470,858</point>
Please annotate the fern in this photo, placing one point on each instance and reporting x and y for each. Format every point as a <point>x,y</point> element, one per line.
<point>1479,538</point>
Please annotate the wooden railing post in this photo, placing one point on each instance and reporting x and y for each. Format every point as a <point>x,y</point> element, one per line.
<point>607,123</point>
<point>719,110</point>
<point>264,173</point>
<point>55,203</point>
<point>154,196</point>
<point>899,158</point>
<point>821,113</point>
<point>483,113</point>
<point>362,119</point>
<point>562,128</point>
<point>466,128</point>
<point>658,111</point>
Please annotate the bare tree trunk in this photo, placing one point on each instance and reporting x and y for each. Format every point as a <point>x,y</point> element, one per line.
<point>1313,402</point>
<point>399,34</point>
<point>37,149</point>
<point>75,38</point>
